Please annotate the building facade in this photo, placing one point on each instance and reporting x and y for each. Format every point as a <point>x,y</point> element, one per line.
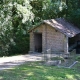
<point>49,36</point>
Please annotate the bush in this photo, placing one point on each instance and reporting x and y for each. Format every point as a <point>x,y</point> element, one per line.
<point>21,45</point>
<point>78,58</point>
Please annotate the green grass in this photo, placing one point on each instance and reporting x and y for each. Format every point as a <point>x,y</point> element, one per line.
<point>78,58</point>
<point>37,71</point>
<point>58,58</point>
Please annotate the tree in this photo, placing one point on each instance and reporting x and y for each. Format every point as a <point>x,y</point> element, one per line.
<point>48,9</point>
<point>73,13</point>
<point>13,30</point>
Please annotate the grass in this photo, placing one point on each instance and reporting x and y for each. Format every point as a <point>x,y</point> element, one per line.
<point>78,58</point>
<point>58,58</point>
<point>37,71</point>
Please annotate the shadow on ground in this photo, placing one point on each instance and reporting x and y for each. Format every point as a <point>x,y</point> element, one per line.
<point>37,71</point>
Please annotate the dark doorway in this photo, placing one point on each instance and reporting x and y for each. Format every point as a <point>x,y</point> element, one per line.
<point>72,43</point>
<point>38,42</point>
<point>78,47</point>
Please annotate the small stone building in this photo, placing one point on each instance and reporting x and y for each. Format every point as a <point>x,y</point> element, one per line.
<point>55,34</point>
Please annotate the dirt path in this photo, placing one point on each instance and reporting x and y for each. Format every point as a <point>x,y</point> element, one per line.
<point>10,62</point>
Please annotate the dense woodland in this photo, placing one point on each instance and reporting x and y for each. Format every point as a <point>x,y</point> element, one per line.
<point>18,16</point>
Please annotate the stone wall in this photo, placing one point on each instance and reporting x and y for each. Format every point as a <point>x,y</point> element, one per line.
<point>55,40</point>
<point>36,30</point>
<point>31,41</point>
<point>51,39</point>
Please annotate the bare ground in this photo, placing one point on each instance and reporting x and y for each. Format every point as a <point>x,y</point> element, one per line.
<point>10,62</point>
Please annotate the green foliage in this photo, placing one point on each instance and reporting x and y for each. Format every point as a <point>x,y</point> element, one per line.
<point>13,28</point>
<point>5,28</point>
<point>21,46</point>
<point>48,9</point>
<point>78,58</point>
<point>73,12</point>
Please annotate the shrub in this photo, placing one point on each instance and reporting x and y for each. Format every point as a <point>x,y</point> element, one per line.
<point>78,58</point>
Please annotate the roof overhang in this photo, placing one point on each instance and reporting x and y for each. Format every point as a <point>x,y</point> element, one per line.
<point>61,25</point>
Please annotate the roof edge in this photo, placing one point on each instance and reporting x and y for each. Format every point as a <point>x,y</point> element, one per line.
<point>35,26</point>
<point>44,22</point>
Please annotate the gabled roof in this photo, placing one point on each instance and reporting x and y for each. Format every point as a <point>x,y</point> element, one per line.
<point>63,26</point>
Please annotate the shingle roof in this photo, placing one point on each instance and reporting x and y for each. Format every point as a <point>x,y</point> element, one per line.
<point>63,26</point>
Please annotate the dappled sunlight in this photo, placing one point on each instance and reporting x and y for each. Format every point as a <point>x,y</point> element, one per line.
<point>70,76</point>
<point>78,75</point>
<point>63,26</point>
<point>50,77</point>
<point>36,71</point>
<point>73,77</point>
<point>30,73</point>
<point>1,78</point>
<point>54,23</point>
